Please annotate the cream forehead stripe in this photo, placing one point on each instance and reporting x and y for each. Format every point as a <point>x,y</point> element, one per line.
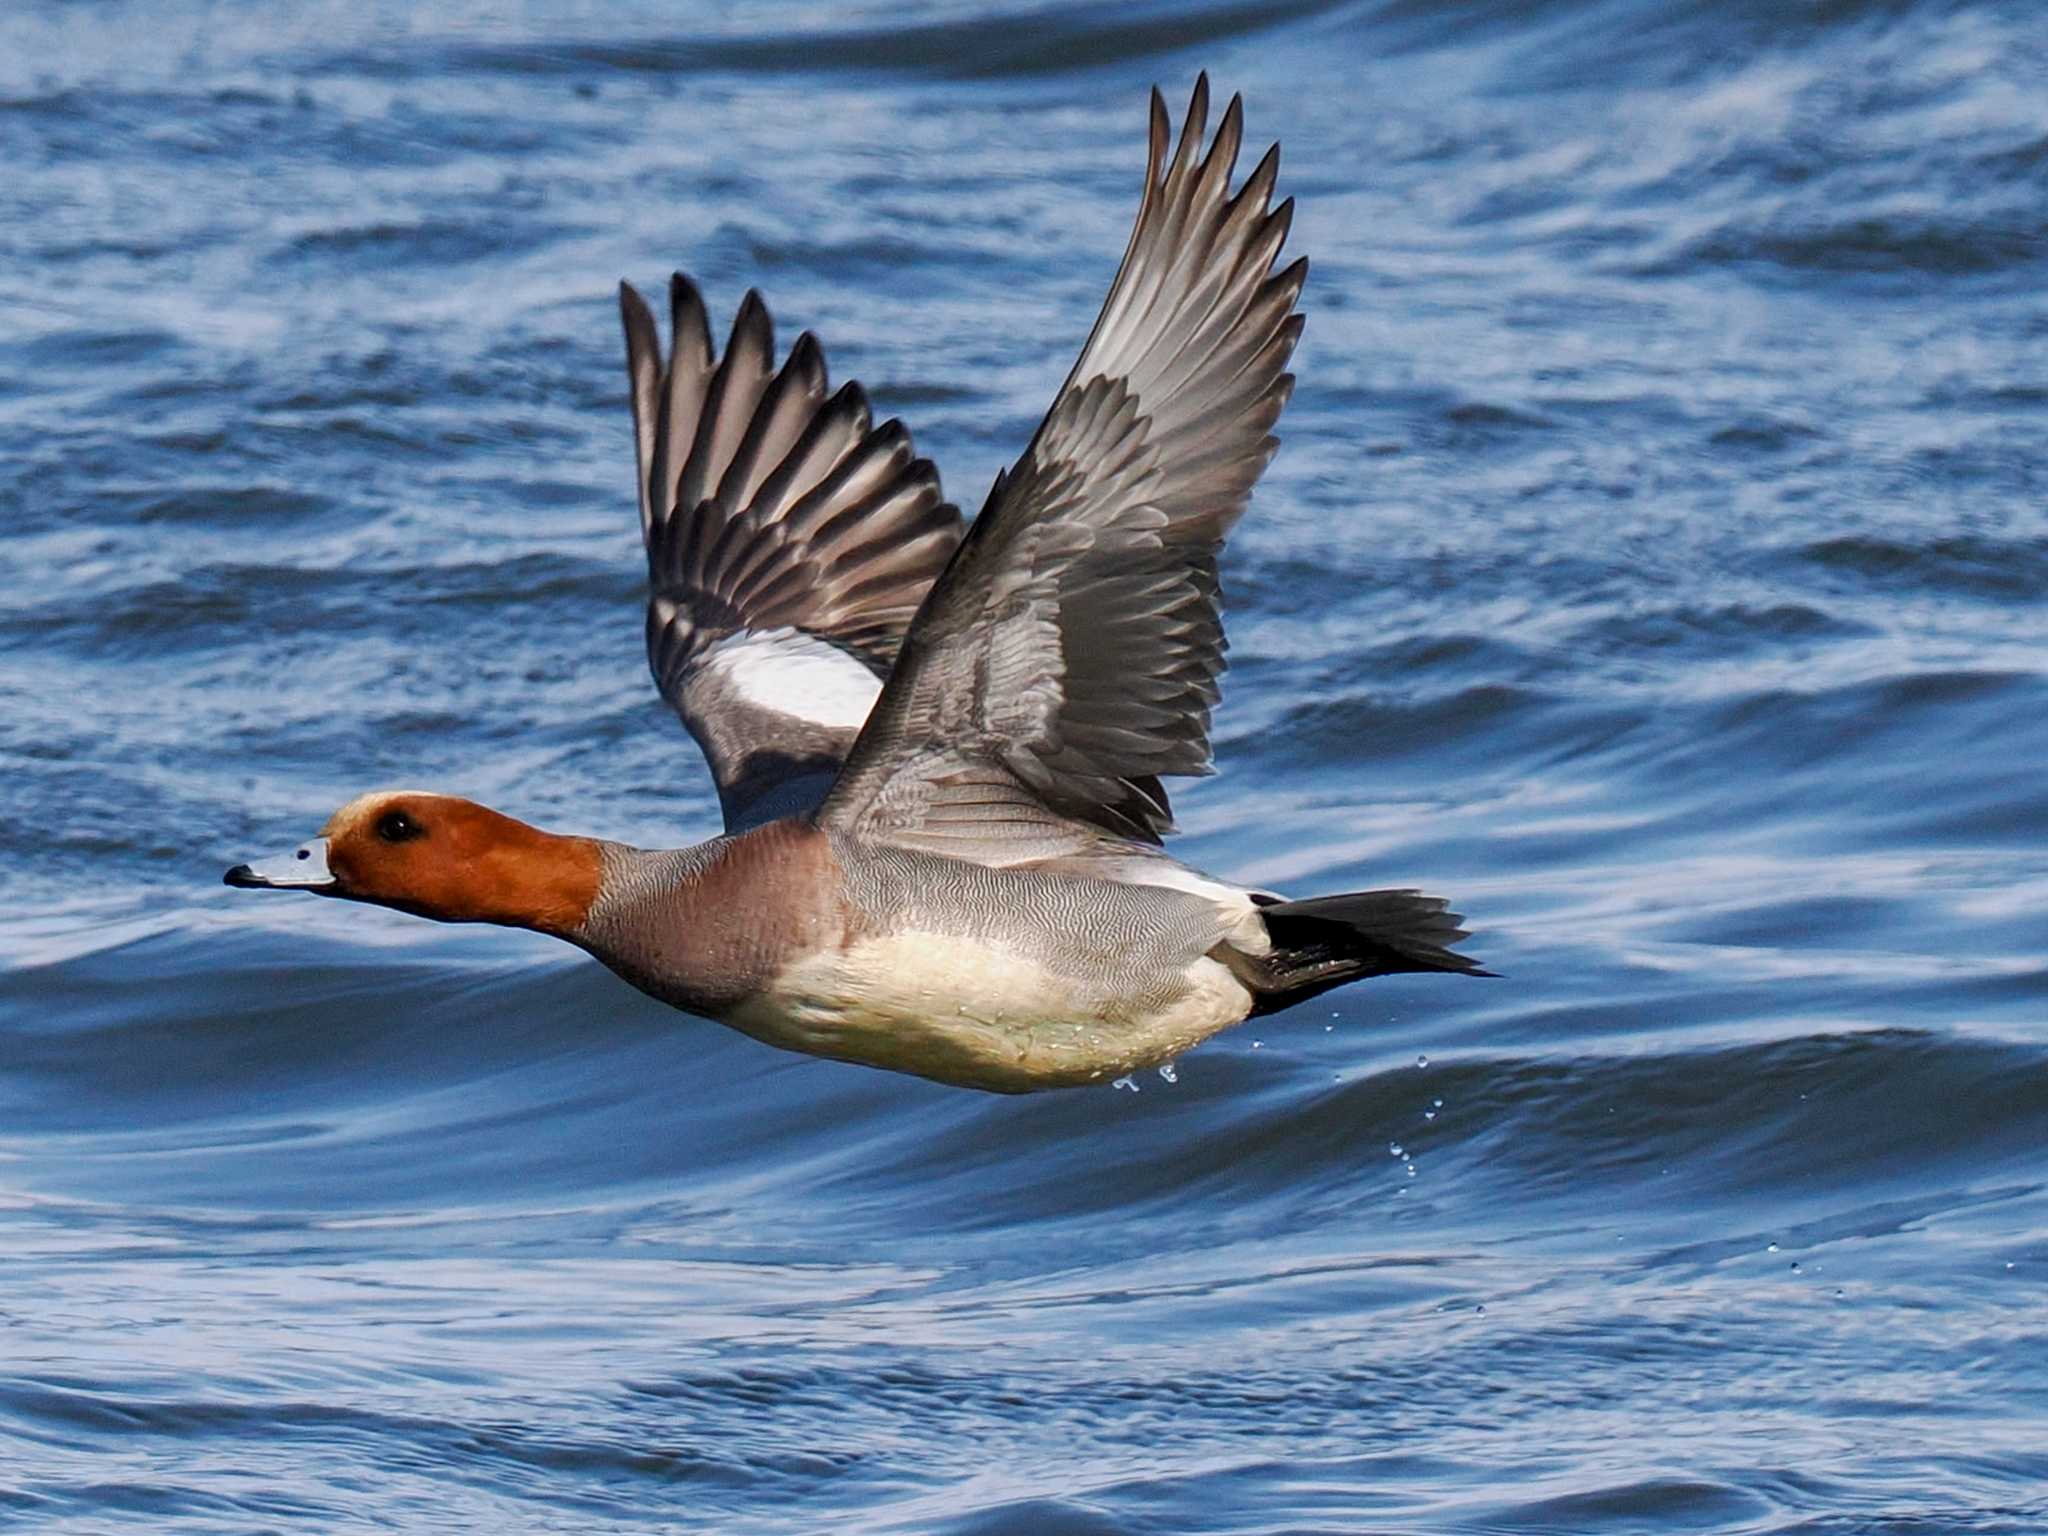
<point>795,674</point>
<point>363,807</point>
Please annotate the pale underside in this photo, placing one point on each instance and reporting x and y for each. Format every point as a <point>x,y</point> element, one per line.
<point>978,1014</point>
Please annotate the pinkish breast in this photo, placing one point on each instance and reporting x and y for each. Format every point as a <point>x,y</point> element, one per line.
<point>708,927</point>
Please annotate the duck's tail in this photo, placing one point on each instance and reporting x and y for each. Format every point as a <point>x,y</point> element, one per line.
<point>1326,941</point>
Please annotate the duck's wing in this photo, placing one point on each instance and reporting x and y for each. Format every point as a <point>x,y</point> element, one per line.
<point>789,542</point>
<point>1070,652</point>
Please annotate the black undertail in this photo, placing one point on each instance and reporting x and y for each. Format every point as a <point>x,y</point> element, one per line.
<point>1327,941</point>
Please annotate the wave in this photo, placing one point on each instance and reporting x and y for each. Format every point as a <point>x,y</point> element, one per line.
<point>436,243</point>
<point>999,43</point>
<point>1969,565</point>
<point>302,1067</point>
<point>1967,245</point>
<point>209,605</point>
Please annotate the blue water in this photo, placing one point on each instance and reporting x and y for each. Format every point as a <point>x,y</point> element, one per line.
<point>1656,564</point>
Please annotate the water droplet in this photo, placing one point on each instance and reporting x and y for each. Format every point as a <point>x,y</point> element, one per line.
<point>1770,1247</point>
<point>1126,1081</point>
<point>1166,1071</point>
<point>1393,1149</point>
<point>1422,1061</point>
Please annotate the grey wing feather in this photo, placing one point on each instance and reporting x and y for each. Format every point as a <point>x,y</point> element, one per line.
<point>1071,652</point>
<point>789,542</point>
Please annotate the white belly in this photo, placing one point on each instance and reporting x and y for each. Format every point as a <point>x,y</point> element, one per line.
<point>983,1016</point>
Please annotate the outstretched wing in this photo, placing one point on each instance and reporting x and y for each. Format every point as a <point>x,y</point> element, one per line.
<point>1071,650</point>
<point>789,542</point>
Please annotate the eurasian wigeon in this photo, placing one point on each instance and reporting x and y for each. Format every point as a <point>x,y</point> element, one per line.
<point>938,746</point>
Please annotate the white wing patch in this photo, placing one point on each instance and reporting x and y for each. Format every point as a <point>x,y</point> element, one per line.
<point>793,673</point>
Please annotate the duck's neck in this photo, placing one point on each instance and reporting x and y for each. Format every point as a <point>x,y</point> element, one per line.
<point>541,880</point>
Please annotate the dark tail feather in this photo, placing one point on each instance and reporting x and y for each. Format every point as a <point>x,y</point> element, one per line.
<point>1326,941</point>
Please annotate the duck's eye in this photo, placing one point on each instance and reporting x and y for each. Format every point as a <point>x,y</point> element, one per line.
<point>397,827</point>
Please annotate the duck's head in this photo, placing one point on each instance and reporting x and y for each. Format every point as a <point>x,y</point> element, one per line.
<point>441,857</point>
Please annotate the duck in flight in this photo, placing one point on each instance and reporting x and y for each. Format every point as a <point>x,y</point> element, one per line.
<point>939,745</point>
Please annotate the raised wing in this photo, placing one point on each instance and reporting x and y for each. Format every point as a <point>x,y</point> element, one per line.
<point>1071,651</point>
<point>789,542</point>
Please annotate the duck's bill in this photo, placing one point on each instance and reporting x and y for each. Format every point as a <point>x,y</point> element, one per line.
<point>303,869</point>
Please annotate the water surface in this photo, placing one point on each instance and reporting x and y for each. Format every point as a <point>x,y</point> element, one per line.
<point>1655,564</point>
